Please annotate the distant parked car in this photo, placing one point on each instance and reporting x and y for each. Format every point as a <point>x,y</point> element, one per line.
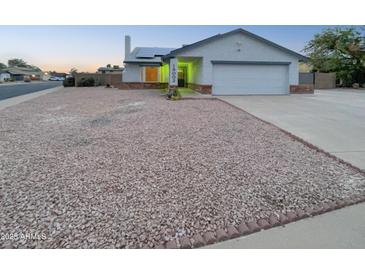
<point>27,79</point>
<point>55,78</point>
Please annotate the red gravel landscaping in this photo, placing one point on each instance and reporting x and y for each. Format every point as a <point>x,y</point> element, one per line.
<point>106,168</point>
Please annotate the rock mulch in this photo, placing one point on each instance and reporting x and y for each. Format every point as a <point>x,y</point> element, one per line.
<point>105,168</point>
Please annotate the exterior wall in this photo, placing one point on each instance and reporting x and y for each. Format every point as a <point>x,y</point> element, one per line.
<point>196,72</point>
<point>164,73</point>
<point>239,47</point>
<point>205,89</point>
<point>132,73</point>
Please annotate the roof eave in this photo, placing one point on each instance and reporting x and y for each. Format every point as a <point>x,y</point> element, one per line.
<point>174,53</point>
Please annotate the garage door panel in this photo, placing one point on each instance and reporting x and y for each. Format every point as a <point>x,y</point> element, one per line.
<point>250,79</point>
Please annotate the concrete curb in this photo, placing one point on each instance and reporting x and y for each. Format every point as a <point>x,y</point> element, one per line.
<point>276,219</point>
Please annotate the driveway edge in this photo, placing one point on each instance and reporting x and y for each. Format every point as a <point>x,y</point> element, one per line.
<point>246,228</point>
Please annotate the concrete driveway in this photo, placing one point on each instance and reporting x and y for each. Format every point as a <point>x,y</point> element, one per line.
<point>333,120</point>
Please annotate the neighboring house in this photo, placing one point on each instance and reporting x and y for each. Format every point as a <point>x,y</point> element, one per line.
<point>19,73</point>
<point>4,76</point>
<point>112,70</point>
<point>234,63</point>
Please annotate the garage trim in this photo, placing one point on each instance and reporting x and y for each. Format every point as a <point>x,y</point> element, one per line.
<point>223,62</point>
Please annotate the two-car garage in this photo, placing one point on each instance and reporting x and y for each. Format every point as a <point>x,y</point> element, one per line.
<point>250,78</point>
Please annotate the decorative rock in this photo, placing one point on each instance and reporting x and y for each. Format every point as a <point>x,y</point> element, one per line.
<point>209,237</point>
<point>326,208</point>
<point>221,235</point>
<point>232,232</point>
<point>283,219</point>
<point>243,229</point>
<point>341,204</point>
<point>198,241</point>
<point>316,211</point>
<point>358,198</point>
<point>333,205</point>
<point>263,223</point>
<point>118,149</point>
<point>171,244</point>
<point>301,214</point>
<point>349,202</point>
<point>253,227</point>
<point>185,243</point>
<point>274,221</point>
<point>291,216</point>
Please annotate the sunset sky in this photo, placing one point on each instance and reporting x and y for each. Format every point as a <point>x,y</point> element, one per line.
<point>89,47</point>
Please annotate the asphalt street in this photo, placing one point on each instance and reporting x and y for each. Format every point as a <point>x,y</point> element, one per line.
<point>9,91</point>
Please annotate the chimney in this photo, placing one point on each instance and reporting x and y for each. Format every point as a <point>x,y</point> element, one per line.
<point>127,46</point>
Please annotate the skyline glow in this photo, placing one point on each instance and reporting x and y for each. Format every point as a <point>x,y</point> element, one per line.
<point>86,48</point>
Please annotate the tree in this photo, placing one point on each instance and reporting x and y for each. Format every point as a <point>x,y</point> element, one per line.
<point>15,62</point>
<point>2,66</point>
<point>73,72</point>
<point>339,50</point>
<point>108,65</point>
<point>116,67</point>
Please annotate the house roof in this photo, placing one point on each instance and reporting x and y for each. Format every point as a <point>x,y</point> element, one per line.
<point>147,55</point>
<point>175,52</point>
<point>22,71</point>
<point>152,52</point>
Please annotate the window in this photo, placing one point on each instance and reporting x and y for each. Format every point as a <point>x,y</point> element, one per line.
<point>151,74</point>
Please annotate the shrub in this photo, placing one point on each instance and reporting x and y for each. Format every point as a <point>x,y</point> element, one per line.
<point>86,82</point>
<point>69,82</point>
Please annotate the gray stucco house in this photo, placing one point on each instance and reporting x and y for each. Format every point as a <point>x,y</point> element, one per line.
<point>234,63</point>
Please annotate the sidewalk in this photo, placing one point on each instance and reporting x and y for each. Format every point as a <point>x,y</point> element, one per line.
<point>342,228</point>
<point>20,83</point>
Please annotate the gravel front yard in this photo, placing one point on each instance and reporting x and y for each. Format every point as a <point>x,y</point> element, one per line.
<point>98,168</point>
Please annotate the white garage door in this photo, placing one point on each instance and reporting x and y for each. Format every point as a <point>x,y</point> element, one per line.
<point>250,79</point>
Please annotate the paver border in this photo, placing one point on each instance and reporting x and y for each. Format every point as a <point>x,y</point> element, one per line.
<point>276,219</point>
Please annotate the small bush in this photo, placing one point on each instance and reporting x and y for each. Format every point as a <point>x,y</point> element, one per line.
<point>69,82</point>
<point>86,82</point>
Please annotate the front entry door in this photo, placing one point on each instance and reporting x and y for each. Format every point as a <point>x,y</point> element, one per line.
<point>181,76</point>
